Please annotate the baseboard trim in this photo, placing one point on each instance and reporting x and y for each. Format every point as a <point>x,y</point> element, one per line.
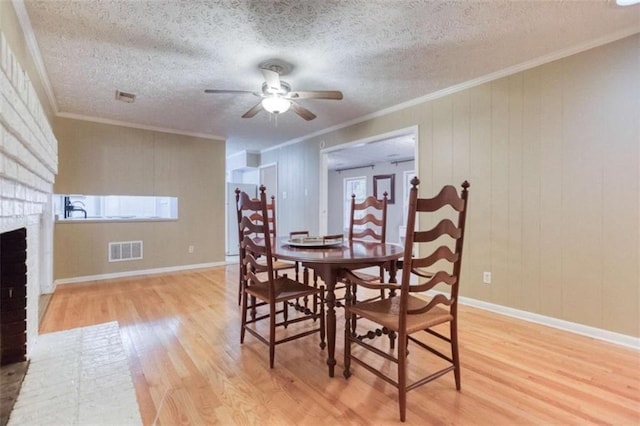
<point>581,329</point>
<point>584,330</point>
<point>100,277</point>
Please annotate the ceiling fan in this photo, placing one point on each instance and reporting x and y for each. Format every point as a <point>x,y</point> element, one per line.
<point>276,95</point>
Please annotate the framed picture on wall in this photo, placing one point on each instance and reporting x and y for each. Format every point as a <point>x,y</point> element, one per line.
<point>382,184</point>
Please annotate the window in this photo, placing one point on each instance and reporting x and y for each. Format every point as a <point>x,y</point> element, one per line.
<point>355,185</point>
<point>114,207</point>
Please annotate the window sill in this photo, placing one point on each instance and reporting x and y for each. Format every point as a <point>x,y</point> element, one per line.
<point>112,220</point>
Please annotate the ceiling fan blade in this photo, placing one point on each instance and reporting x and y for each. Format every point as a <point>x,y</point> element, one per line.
<point>230,91</point>
<point>302,111</point>
<point>315,94</point>
<point>273,80</point>
<point>253,111</point>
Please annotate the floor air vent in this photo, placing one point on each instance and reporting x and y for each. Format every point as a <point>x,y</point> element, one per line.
<point>125,250</point>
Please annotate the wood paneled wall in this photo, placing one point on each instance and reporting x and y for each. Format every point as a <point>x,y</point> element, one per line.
<point>553,158</point>
<point>102,159</point>
<point>298,171</point>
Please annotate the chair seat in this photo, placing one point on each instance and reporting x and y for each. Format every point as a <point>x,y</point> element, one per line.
<point>370,278</point>
<point>279,265</point>
<point>286,289</point>
<point>386,313</point>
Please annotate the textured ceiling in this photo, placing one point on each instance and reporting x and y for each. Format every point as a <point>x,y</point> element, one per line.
<point>379,53</point>
<point>398,148</point>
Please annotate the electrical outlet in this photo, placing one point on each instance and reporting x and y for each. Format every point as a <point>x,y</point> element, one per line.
<point>486,277</point>
<point>191,249</point>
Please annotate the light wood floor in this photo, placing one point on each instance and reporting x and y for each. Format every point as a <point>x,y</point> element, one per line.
<point>181,334</point>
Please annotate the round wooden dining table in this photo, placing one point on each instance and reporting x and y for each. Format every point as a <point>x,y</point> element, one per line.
<point>329,262</point>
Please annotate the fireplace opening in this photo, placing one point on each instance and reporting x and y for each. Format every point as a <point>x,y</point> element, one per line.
<point>13,296</point>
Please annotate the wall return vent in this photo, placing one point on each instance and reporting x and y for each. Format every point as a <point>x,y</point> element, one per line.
<point>125,97</point>
<point>125,250</point>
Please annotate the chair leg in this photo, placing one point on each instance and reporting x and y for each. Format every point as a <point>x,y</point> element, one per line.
<point>272,334</point>
<point>243,324</point>
<point>305,281</point>
<point>392,339</point>
<point>347,332</point>
<point>285,308</point>
<point>454,352</point>
<point>285,313</point>
<point>354,290</point>
<point>240,284</point>
<point>402,374</point>
<point>253,307</point>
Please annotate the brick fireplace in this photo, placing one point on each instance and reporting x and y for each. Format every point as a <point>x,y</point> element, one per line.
<point>13,296</point>
<point>28,165</point>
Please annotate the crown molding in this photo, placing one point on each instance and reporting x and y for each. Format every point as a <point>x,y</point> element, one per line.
<point>138,126</point>
<point>34,50</point>
<point>471,83</point>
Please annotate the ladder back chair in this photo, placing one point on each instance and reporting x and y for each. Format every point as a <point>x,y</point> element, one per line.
<point>278,265</point>
<point>262,283</point>
<point>368,221</point>
<point>411,312</point>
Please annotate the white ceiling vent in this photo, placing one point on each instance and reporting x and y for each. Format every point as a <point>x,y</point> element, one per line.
<point>125,97</point>
<point>125,250</point>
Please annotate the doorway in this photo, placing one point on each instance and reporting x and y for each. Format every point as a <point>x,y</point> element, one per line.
<point>392,153</point>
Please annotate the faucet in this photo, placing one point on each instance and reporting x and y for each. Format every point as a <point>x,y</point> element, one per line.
<point>70,207</point>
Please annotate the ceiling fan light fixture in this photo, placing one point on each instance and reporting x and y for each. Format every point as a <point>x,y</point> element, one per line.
<point>276,104</point>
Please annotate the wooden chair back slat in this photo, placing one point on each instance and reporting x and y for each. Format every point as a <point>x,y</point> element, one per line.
<point>445,227</point>
<point>439,277</point>
<point>441,253</point>
<point>369,218</point>
<point>448,195</point>
<point>370,201</point>
<point>446,263</point>
<point>367,232</point>
<point>255,239</point>
<point>374,218</point>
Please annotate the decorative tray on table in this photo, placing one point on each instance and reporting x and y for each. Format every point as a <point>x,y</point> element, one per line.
<point>315,242</point>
